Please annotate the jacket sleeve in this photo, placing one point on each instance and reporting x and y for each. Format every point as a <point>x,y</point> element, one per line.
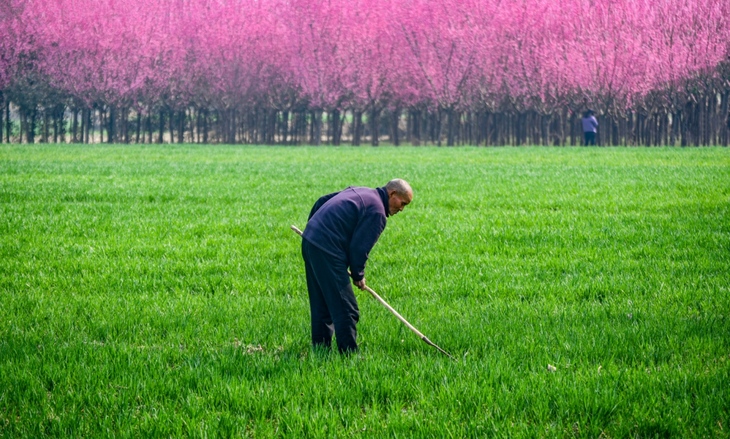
<point>364,238</point>
<point>320,203</point>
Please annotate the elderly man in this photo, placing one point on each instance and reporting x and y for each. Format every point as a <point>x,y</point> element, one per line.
<point>342,229</point>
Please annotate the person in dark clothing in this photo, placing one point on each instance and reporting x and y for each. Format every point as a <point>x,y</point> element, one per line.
<point>590,127</point>
<point>342,229</point>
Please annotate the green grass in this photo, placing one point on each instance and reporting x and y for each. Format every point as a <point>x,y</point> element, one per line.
<point>157,291</point>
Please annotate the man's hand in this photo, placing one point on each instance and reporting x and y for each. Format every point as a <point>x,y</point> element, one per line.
<point>360,283</point>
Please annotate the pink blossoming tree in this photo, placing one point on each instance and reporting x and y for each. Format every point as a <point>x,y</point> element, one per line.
<point>293,71</point>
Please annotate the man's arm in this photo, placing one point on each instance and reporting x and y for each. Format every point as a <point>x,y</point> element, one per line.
<point>363,240</point>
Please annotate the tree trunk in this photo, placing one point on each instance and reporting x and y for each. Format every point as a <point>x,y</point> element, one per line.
<point>205,125</point>
<point>248,126</point>
<point>704,132</point>
<point>264,125</point>
<point>216,126</point>
<point>291,127</point>
<point>75,126</point>
<point>201,124</point>
<point>62,124</point>
<point>687,123</point>
<point>84,126</point>
<point>316,128</point>
<point>695,126</point>
<point>171,125</point>
<point>231,121</point>
<point>195,132</point>
<point>46,123</point>
<point>356,127</point>
<point>333,119</point>
<point>466,123</point>
<point>683,140</point>
<point>110,125</point>
<point>8,125</point>
<point>23,125</point>
<point>661,127</point>
<point>724,118</point>
<point>394,127</point>
<point>264,121</point>
<point>31,130</point>
<point>708,109</point>
<point>121,134</point>
<point>450,114</point>
<point>505,129</point>
<point>337,122</point>
<point>303,127</point>
<point>415,116</point>
<point>374,127</point>
<point>426,134</point>
<point>480,128</point>
<point>486,128</point>
<point>182,117</point>
<point>79,137</point>
<point>232,124</point>
<point>224,120</point>
<point>138,128</point>
<point>509,129</point>
<point>284,128</point>
<point>2,115</point>
<point>57,123</point>
<point>409,125</point>
<point>148,127</point>
<point>614,133</point>
<point>91,115</point>
<point>161,131</point>
<point>271,118</point>
<point>124,115</point>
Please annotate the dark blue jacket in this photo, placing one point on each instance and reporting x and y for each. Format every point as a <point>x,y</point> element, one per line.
<point>347,224</point>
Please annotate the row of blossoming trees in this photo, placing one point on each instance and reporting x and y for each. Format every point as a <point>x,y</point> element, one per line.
<point>481,72</point>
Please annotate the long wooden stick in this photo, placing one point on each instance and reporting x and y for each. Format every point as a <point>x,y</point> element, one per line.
<point>395,313</point>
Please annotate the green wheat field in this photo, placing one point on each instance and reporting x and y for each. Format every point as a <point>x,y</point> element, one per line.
<point>158,291</point>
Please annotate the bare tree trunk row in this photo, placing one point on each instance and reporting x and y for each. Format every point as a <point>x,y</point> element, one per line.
<point>705,121</point>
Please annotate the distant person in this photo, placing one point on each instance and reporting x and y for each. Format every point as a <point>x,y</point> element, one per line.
<point>342,229</point>
<point>590,128</point>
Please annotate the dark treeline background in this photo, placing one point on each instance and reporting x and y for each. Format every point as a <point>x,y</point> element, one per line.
<point>700,123</point>
<point>29,117</point>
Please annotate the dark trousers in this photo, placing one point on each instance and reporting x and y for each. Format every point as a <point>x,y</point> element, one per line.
<point>590,138</point>
<point>332,302</point>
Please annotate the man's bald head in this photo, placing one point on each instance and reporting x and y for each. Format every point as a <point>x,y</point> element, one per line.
<point>400,186</point>
<point>400,194</point>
